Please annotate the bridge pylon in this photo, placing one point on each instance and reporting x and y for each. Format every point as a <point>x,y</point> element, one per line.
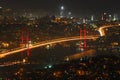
<point>83,43</point>
<point>25,40</point>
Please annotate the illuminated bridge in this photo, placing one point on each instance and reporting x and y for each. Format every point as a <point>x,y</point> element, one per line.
<point>46,43</point>
<point>16,50</point>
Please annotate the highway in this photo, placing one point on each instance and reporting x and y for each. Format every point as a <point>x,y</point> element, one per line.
<point>54,41</point>
<point>102,31</point>
<point>14,51</point>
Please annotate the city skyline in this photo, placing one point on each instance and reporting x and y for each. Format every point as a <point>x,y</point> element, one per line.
<point>76,7</point>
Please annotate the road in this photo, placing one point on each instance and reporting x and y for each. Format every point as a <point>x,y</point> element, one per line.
<point>102,31</point>
<point>2,55</point>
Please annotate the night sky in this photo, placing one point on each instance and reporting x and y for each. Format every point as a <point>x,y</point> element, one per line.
<point>77,7</point>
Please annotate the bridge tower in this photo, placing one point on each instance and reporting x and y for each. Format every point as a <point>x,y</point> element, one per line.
<point>83,43</point>
<point>25,40</point>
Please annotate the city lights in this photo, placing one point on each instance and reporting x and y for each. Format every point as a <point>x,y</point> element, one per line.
<point>59,40</point>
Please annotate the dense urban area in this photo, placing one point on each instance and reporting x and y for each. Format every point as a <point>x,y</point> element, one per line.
<point>63,47</point>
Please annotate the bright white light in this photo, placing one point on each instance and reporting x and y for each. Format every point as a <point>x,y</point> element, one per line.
<point>82,49</point>
<point>49,66</point>
<point>62,7</point>
<point>0,7</point>
<point>67,59</point>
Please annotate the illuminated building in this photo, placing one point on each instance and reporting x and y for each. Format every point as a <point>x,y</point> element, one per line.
<point>62,11</point>
<point>104,16</point>
<point>110,18</point>
<point>69,15</point>
<point>84,20</point>
<point>115,17</point>
<point>92,18</point>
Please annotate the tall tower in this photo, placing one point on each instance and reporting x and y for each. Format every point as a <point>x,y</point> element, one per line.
<point>25,40</point>
<point>92,18</point>
<point>69,15</point>
<point>105,16</point>
<point>62,11</point>
<point>115,17</point>
<point>83,43</point>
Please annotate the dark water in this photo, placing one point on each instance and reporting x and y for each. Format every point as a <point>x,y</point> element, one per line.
<point>43,55</point>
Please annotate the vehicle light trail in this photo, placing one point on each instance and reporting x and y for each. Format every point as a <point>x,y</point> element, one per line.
<point>46,43</point>
<point>101,29</point>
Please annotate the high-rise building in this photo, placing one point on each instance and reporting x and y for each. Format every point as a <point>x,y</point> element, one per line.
<point>62,13</point>
<point>69,15</point>
<point>110,17</point>
<point>104,16</point>
<point>92,18</point>
<point>115,17</point>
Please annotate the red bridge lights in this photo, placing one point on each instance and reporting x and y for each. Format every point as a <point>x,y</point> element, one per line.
<point>25,41</point>
<point>83,44</point>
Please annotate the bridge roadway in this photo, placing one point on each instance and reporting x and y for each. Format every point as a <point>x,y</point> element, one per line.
<point>2,55</point>
<point>16,50</point>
